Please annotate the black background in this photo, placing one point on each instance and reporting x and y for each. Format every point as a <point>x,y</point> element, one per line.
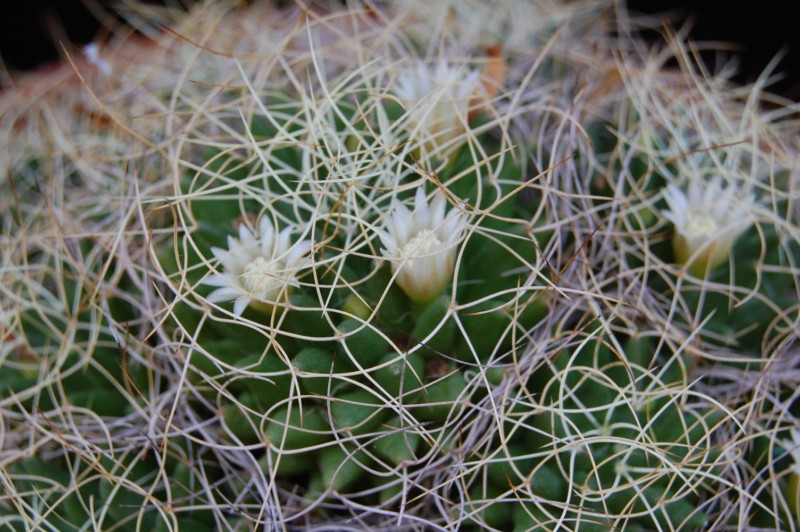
<point>760,29</point>
<point>29,31</point>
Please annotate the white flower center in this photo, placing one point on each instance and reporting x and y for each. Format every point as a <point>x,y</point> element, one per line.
<point>259,276</point>
<point>421,244</point>
<point>699,225</point>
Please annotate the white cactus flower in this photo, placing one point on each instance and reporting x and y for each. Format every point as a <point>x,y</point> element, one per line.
<point>422,244</point>
<point>437,101</point>
<point>708,220</point>
<point>256,270</point>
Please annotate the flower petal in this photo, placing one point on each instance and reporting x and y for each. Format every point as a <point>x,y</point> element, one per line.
<point>282,243</point>
<point>437,209</point>
<point>226,293</point>
<point>295,255</point>
<point>245,236</point>
<point>266,234</point>
<point>240,304</point>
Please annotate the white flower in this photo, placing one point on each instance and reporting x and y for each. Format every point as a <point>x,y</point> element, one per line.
<point>256,269</point>
<point>708,219</point>
<point>438,103</point>
<point>422,243</point>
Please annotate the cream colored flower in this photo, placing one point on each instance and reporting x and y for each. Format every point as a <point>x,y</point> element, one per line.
<point>437,101</point>
<point>421,244</point>
<point>708,220</point>
<point>256,270</point>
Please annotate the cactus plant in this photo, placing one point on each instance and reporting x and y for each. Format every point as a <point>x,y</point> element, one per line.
<point>385,265</point>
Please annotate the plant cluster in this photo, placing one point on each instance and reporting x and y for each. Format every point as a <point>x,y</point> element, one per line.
<point>399,266</point>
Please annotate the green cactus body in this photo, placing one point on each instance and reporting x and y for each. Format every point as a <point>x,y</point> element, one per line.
<point>269,379</point>
<point>242,424</point>
<point>364,343</point>
<point>438,400</point>
<point>357,412</point>
<point>340,468</point>
<point>428,321</point>
<point>495,514</point>
<point>399,446</point>
<point>296,427</point>
<point>288,464</point>
<point>315,368</point>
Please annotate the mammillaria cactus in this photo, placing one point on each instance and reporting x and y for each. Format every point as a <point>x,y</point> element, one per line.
<point>382,268</point>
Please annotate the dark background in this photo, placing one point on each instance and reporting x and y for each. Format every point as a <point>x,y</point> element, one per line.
<point>30,29</point>
<point>760,29</point>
